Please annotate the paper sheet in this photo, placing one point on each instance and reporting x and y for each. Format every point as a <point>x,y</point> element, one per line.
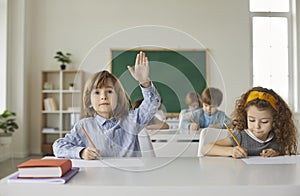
<point>108,162</point>
<point>272,160</point>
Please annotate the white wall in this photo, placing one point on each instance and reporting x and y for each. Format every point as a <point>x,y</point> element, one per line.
<point>297,67</point>
<point>3,53</point>
<point>78,27</point>
<point>16,95</point>
<point>297,70</point>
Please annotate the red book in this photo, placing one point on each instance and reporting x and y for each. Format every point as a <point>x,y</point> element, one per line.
<point>44,168</point>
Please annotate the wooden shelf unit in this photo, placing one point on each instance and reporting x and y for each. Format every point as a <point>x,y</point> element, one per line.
<point>56,121</point>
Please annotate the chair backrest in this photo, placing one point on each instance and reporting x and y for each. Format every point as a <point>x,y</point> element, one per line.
<point>146,144</point>
<point>210,135</point>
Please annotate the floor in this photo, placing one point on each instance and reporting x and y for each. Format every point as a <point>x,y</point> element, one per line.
<point>10,165</point>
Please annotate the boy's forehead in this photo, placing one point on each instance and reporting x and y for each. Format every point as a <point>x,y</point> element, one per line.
<point>212,105</point>
<point>107,83</point>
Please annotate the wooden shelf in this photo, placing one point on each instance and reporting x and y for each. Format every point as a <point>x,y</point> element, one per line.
<point>58,82</point>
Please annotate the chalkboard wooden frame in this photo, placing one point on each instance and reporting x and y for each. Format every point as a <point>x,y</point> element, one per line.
<point>174,72</point>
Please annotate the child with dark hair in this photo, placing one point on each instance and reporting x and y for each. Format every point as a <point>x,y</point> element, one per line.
<point>209,115</point>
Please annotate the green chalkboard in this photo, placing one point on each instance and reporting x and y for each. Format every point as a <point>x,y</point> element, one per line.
<point>173,72</point>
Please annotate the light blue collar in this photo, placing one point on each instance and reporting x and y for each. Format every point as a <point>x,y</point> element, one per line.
<point>103,120</point>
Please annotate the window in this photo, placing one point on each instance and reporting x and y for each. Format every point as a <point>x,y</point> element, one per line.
<point>271,44</point>
<point>269,6</point>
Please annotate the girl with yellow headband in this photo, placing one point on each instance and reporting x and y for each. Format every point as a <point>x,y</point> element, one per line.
<point>263,126</point>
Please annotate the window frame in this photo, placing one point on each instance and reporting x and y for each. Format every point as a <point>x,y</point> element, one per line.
<point>291,70</point>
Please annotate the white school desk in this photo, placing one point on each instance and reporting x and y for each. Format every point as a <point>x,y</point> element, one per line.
<point>183,176</point>
<point>174,142</point>
<point>173,122</point>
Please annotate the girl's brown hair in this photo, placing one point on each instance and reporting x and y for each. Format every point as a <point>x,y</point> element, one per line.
<point>283,120</point>
<point>98,80</point>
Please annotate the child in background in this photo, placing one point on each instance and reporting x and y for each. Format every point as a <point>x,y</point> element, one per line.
<point>209,115</point>
<point>158,120</point>
<point>263,126</point>
<point>112,127</point>
<point>192,99</point>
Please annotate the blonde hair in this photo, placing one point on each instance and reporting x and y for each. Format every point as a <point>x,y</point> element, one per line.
<point>98,80</point>
<point>283,120</point>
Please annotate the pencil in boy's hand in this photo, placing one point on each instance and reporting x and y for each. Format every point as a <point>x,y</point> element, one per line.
<point>234,138</point>
<point>90,141</point>
<point>191,119</point>
<point>88,137</point>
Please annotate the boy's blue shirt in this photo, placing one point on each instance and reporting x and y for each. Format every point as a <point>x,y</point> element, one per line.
<point>198,115</point>
<point>207,119</point>
<point>113,138</point>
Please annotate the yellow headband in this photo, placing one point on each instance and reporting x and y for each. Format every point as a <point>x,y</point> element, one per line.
<point>262,96</point>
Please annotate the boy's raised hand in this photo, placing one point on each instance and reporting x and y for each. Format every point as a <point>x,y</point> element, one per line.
<point>140,72</point>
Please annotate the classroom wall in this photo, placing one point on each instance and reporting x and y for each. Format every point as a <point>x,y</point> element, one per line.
<point>88,29</point>
<point>297,67</point>
<point>3,52</point>
<point>17,78</point>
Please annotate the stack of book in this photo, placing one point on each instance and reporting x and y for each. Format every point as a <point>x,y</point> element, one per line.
<point>58,171</point>
<point>74,118</point>
<point>50,104</point>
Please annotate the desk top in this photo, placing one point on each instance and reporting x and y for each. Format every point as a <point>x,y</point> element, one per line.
<point>174,176</point>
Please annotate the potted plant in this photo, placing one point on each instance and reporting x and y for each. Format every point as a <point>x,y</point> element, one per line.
<point>63,59</point>
<point>7,125</point>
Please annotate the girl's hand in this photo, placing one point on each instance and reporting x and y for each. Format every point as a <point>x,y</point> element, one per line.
<point>141,70</point>
<point>239,152</point>
<point>194,126</point>
<point>269,153</point>
<point>90,153</point>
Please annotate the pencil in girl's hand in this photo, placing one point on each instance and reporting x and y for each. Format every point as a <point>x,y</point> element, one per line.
<point>234,138</point>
